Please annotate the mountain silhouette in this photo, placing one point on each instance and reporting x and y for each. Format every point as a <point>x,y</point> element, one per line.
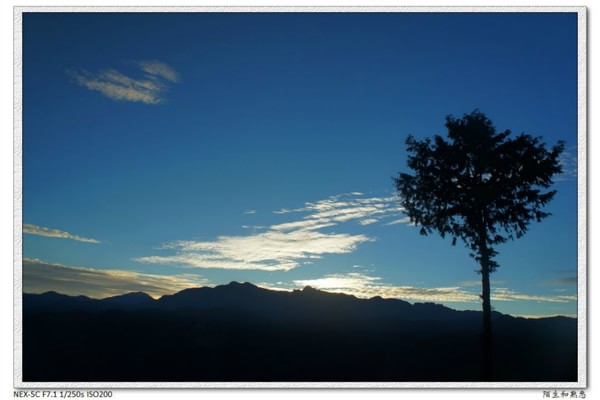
<point>130,299</point>
<point>278,305</point>
<point>241,332</point>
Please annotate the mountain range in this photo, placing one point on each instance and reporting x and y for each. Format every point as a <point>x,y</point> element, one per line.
<point>241,332</point>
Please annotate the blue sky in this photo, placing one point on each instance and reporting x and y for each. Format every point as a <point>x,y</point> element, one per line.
<point>163,151</point>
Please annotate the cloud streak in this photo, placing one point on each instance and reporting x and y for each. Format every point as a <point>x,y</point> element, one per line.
<point>504,294</point>
<point>365,286</point>
<point>40,276</point>
<point>564,281</point>
<point>268,251</point>
<point>55,233</point>
<point>159,69</point>
<point>287,245</point>
<point>569,163</point>
<point>149,88</point>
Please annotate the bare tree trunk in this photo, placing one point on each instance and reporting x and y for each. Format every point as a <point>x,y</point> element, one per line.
<point>487,322</point>
<point>487,340</point>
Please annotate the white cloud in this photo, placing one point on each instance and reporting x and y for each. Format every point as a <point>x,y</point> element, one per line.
<point>40,276</point>
<point>538,316</point>
<point>55,233</point>
<point>268,251</point>
<point>157,68</point>
<point>250,212</point>
<point>350,280</point>
<point>477,283</point>
<point>405,220</point>
<point>505,294</point>
<point>148,88</point>
<point>200,260</point>
<point>368,221</point>
<point>348,207</point>
<point>568,162</point>
<point>365,286</point>
<point>286,245</point>
<point>283,211</point>
<point>305,225</point>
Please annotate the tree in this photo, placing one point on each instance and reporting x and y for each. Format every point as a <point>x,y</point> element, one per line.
<point>481,187</point>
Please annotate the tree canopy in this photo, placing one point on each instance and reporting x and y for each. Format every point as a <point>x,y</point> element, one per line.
<point>478,182</point>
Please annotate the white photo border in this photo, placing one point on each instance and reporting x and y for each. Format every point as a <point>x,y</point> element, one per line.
<point>582,179</point>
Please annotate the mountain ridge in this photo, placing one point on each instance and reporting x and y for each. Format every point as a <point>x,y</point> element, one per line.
<point>248,296</point>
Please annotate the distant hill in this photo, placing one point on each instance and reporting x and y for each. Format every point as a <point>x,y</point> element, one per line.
<point>240,332</point>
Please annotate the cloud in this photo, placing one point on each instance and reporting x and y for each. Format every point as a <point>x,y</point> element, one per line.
<point>49,232</point>
<point>40,276</point>
<point>538,316</point>
<point>404,220</point>
<point>477,283</point>
<point>268,251</point>
<point>504,294</point>
<point>287,245</point>
<point>368,221</point>
<point>148,88</point>
<point>345,208</point>
<point>564,281</point>
<point>568,162</point>
<point>159,69</point>
<point>249,212</point>
<point>365,286</point>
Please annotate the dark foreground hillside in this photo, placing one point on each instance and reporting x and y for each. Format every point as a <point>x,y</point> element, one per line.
<point>239,332</point>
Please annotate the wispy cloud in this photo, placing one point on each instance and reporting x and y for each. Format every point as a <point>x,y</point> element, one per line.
<point>366,286</point>
<point>290,244</point>
<point>148,85</point>
<point>343,208</point>
<point>40,276</point>
<point>368,221</point>
<point>55,233</point>
<point>568,162</point>
<point>250,212</point>
<point>404,220</point>
<point>538,316</point>
<point>477,283</point>
<point>268,251</point>
<point>564,281</point>
<point>505,294</point>
<point>159,69</point>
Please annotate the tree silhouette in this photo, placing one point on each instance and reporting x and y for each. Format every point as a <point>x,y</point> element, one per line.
<point>481,187</point>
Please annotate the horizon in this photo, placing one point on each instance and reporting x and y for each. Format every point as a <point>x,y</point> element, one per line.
<point>261,147</point>
<point>234,283</point>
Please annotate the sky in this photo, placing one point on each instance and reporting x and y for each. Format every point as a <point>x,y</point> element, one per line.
<point>166,151</point>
